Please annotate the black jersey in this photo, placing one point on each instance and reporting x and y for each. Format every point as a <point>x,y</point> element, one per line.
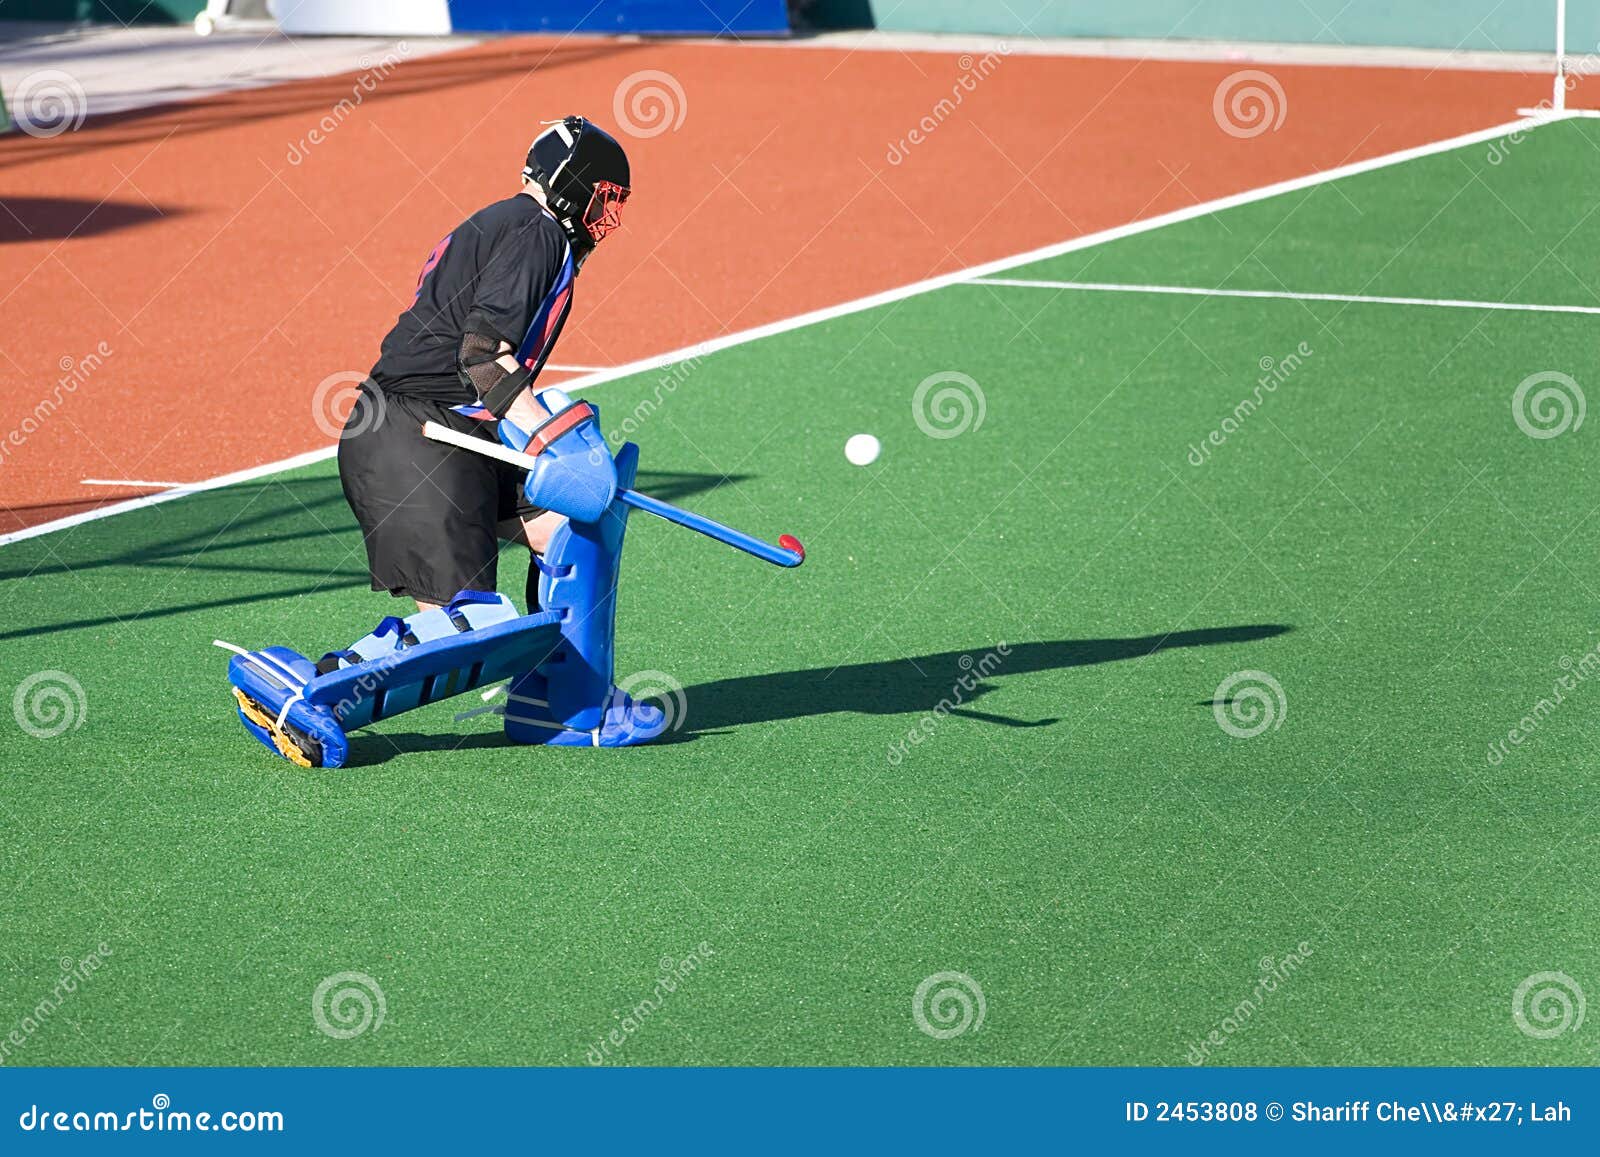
<point>505,272</point>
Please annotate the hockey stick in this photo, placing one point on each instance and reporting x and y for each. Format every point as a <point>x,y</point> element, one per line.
<point>788,552</point>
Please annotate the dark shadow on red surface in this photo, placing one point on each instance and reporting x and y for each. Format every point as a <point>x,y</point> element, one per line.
<point>58,218</point>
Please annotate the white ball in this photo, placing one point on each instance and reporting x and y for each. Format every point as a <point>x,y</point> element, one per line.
<point>861,449</point>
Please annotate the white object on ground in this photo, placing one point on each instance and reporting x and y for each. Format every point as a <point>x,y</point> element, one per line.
<point>862,449</point>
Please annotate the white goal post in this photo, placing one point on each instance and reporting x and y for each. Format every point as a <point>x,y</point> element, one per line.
<point>1556,107</point>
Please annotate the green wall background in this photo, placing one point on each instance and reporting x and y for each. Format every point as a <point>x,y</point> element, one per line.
<point>105,11</point>
<point>1510,25</point>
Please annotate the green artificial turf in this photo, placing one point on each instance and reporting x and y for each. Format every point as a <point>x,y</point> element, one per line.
<point>1081,836</point>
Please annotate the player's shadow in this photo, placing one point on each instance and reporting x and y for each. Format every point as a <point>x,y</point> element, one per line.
<point>913,686</point>
<point>918,685</point>
<point>58,218</point>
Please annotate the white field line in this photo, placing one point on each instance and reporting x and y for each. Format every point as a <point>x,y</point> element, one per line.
<point>1549,114</point>
<point>131,483</point>
<point>140,503</point>
<point>1195,291</point>
<point>860,304</point>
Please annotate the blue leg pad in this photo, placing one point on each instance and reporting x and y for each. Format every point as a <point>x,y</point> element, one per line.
<point>569,699</point>
<point>406,663</point>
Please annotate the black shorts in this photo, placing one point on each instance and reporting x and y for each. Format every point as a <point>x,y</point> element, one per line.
<point>428,512</point>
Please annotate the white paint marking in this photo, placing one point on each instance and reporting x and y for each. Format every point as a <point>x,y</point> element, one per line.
<point>263,471</point>
<point>565,369</point>
<point>130,483</point>
<point>1546,115</point>
<point>860,304</point>
<point>1195,291</point>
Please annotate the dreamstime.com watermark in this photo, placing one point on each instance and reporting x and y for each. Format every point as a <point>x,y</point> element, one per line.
<point>48,103</point>
<point>1548,404</point>
<point>1274,373</point>
<point>1578,67</point>
<point>336,397</point>
<point>49,703</point>
<point>672,974</point>
<point>662,689</point>
<point>160,1117</point>
<point>948,404</point>
<point>667,383</point>
<point>648,103</point>
<point>1548,1004</point>
<point>974,672</point>
<point>370,681</point>
<point>1249,703</point>
<point>948,1005</point>
<point>1248,103</point>
<point>973,73</point>
<point>347,1005</point>
<point>74,373</point>
<point>1274,974</point>
<point>1573,673</point>
<point>372,75</point>
<point>74,974</point>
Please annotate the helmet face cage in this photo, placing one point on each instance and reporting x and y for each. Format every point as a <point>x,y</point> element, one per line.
<point>604,214</point>
<point>584,174</point>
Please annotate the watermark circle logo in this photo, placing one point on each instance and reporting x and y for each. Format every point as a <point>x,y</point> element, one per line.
<point>948,1004</point>
<point>49,703</point>
<point>649,102</point>
<point>1550,411</point>
<point>336,398</point>
<point>666,691</point>
<point>1248,103</point>
<point>948,404</point>
<point>347,1004</point>
<point>1248,703</point>
<point>48,103</point>
<point>1547,1004</point>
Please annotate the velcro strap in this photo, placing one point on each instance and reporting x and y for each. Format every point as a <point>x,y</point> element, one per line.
<point>556,425</point>
<point>471,598</point>
<point>500,395</point>
<point>396,626</point>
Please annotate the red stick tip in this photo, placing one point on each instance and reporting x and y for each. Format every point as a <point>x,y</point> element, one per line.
<point>790,542</point>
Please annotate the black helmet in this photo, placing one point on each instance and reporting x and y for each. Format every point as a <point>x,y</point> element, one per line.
<point>584,174</point>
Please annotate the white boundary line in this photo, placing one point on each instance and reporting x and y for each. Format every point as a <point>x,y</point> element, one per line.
<point>860,304</point>
<point>140,503</point>
<point>1547,114</point>
<point>131,483</point>
<point>1285,295</point>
